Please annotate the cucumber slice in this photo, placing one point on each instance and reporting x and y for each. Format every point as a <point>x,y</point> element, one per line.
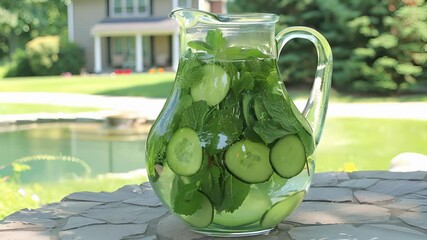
<point>281,209</point>
<point>203,216</point>
<point>213,87</point>
<point>288,156</point>
<point>184,152</point>
<point>251,210</point>
<point>249,161</point>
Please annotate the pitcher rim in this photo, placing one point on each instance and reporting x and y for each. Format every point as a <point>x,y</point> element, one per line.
<point>233,18</point>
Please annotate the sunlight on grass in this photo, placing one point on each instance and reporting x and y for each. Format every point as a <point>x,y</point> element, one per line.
<point>368,144</point>
<point>149,85</point>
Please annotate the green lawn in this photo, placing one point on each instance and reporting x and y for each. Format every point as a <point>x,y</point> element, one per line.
<point>20,108</point>
<point>368,144</point>
<point>148,85</point>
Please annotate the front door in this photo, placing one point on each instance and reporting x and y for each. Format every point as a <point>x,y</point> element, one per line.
<point>123,52</point>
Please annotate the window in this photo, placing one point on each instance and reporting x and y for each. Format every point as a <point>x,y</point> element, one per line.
<point>142,6</point>
<point>185,3</point>
<point>117,7</point>
<point>129,8</point>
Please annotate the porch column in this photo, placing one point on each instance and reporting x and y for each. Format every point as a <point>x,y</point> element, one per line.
<point>98,55</point>
<point>175,51</point>
<point>70,21</point>
<point>139,64</point>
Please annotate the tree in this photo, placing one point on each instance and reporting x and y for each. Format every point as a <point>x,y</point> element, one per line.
<point>378,46</point>
<point>23,20</point>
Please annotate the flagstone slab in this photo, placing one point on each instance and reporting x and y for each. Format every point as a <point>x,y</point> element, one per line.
<point>76,222</point>
<point>358,183</point>
<point>338,213</point>
<point>173,228</point>
<point>420,175</point>
<point>347,231</point>
<point>7,226</point>
<point>25,235</point>
<point>125,214</point>
<point>417,219</point>
<point>67,209</point>
<point>105,232</point>
<point>407,204</point>
<point>102,197</point>
<point>329,178</point>
<point>398,187</point>
<point>330,194</point>
<point>147,198</point>
<point>371,197</point>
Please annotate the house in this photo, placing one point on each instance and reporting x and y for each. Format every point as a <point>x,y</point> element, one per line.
<point>129,34</point>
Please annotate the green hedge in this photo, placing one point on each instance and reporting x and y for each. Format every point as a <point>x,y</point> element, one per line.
<point>47,55</point>
<point>378,46</point>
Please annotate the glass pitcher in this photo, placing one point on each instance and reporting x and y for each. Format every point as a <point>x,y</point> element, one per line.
<point>230,154</point>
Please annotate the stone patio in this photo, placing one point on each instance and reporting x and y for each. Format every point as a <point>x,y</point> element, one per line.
<point>359,205</point>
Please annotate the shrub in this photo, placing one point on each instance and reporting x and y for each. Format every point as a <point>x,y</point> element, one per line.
<point>49,55</point>
<point>70,58</point>
<point>20,65</point>
<point>43,53</point>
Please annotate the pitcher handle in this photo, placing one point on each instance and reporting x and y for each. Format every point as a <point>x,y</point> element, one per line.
<point>317,103</point>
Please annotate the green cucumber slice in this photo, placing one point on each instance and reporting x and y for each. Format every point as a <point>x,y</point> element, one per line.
<point>249,161</point>
<point>251,210</point>
<point>281,209</point>
<point>203,216</point>
<point>184,152</point>
<point>213,87</point>
<point>288,156</point>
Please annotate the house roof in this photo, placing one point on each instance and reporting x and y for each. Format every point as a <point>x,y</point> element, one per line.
<point>132,26</point>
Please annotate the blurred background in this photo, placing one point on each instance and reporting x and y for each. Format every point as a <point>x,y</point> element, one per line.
<point>81,82</point>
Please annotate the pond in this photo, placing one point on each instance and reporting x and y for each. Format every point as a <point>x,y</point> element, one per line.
<point>54,151</point>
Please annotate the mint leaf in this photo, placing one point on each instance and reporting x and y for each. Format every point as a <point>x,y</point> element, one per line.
<point>200,45</point>
<point>184,199</point>
<point>270,130</point>
<point>241,53</point>
<point>261,68</point>
<point>280,111</point>
<point>212,186</point>
<point>221,130</point>
<point>215,40</point>
<point>191,73</point>
<point>261,112</point>
<point>235,192</point>
<point>243,83</point>
<point>194,116</point>
<point>251,135</point>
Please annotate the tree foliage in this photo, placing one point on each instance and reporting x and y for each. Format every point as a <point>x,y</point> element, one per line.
<point>378,46</point>
<point>22,20</point>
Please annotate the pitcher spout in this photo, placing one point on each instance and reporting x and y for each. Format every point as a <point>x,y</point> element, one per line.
<point>189,17</point>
